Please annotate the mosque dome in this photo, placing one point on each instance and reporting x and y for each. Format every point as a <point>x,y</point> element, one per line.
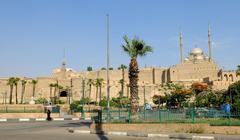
<point>199,57</point>
<point>196,51</point>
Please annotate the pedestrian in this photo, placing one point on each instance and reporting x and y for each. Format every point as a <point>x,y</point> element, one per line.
<point>49,115</point>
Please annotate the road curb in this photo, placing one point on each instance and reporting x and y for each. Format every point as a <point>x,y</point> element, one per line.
<point>158,135</point>
<point>150,135</point>
<point>38,119</point>
<point>117,133</point>
<point>203,137</point>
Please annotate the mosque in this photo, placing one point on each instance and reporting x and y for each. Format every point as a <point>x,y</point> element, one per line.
<point>196,67</point>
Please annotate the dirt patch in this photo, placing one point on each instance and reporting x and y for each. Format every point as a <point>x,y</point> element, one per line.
<point>168,128</point>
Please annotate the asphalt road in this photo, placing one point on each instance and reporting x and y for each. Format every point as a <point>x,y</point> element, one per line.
<point>52,131</point>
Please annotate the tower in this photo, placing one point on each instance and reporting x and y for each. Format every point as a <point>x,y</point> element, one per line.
<point>181,47</point>
<point>64,61</point>
<point>210,43</point>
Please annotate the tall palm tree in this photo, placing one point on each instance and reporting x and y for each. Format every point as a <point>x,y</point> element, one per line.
<point>10,82</point>
<point>122,67</point>
<point>59,89</point>
<point>98,83</point>
<point>134,48</point>
<point>23,82</point>
<point>90,82</point>
<point>34,82</point>
<point>51,87</point>
<point>55,89</point>
<point>16,87</point>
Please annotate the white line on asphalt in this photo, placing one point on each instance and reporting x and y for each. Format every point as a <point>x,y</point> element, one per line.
<point>82,131</point>
<point>117,133</point>
<point>75,119</point>
<point>203,137</point>
<point>3,120</point>
<point>158,135</point>
<point>40,119</point>
<point>58,119</point>
<point>24,120</point>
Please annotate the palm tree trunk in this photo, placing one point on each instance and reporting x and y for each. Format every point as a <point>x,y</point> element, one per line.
<point>16,93</point>
<point>55,90</point>
<point>89,95</point>
<point>122,83</point>
<point>11,92</point>
<point>33,90</point>
<point>133,83</point>
<point>100,93</point>
<point>50,92</point>
<point>23,90</point>
<point>96,95</point>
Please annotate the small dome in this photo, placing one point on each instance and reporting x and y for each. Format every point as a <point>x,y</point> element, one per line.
<point>196,51</point>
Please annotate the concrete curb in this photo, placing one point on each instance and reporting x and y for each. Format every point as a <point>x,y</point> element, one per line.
<point>137,134</point>
<point>38,119</point>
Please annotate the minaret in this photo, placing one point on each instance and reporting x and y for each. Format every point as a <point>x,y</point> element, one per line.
<point>210,43</point>
<point>181,47</point>
<point>63,68</point>
<point>64,61</point>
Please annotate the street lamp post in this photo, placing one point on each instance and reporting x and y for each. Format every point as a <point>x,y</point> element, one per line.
<point>108,87</point>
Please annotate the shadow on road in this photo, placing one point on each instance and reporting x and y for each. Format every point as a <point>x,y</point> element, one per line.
<point>77,124</point>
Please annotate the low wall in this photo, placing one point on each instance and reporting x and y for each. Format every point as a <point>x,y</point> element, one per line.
<point>168,128</point>
<point>27,115</point>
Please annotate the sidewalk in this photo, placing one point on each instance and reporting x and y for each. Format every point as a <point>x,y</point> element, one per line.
<point>189,136</point>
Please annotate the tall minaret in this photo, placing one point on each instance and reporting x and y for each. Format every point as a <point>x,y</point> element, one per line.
<point>181,47</point>
<point>64,61</point>
<point>63,68</point>
<point>210,43</point>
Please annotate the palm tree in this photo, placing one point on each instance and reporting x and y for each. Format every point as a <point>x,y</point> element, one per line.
<point>24,82</point>
<point>16,87</point>
<point>98,84</point>
<point>10,82</point>
<point>51,86</point>
<point>90,82</point>
<point>59,89</point>
<point>134,48</point>
<point>34,82</point>
<point>122,67</point>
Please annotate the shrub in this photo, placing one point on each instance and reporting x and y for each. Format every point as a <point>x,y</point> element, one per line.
<point>75,105</point>
<point>41,101</point>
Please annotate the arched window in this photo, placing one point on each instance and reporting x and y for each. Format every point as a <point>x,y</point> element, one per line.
<point>225,77</point>
<point>231,77</point>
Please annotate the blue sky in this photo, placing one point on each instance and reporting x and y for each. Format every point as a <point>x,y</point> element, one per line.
<point>34,33</point>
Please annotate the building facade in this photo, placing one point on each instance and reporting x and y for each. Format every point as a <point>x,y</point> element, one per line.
<point>196,67</point>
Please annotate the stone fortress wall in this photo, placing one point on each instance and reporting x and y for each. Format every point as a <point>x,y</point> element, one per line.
<point>152,79</point>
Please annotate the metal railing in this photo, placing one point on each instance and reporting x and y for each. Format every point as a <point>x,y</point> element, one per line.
<point>187,115</point>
